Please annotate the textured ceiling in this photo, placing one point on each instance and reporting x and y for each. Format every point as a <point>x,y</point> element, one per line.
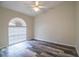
<point>24,6</point>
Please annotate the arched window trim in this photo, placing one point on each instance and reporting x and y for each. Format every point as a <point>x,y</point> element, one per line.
<point>17,19</point>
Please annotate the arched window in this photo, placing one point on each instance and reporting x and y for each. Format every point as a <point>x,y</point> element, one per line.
<point>16,30</point>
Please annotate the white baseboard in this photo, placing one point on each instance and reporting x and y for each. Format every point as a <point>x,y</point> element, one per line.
<point>55,42</point>
<point>3,47</point>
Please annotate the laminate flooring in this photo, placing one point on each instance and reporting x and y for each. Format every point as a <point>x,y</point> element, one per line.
<point>36,48</point>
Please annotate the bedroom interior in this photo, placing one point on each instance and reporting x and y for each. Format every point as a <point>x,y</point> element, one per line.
<point>39,28</point>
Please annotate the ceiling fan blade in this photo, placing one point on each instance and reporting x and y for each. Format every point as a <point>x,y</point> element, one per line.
<point>42,7</point>
<point>32,6</point>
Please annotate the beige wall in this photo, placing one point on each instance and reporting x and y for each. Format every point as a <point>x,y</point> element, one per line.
<point>5,16</point>
<point>57,25</point>
<point>77,27</point>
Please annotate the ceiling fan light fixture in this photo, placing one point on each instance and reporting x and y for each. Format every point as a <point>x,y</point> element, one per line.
<point>36,9</point>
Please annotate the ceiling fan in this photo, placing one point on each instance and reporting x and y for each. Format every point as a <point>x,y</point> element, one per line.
<point>36,7</point>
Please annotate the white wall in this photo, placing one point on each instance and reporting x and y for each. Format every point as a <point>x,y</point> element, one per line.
<point>57,25</point>
<point>5,16</point>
